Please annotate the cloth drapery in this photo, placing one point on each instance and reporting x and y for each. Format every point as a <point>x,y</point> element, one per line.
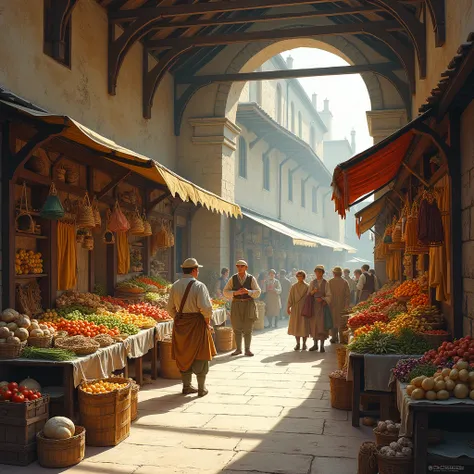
<point>123,253</point>
<point>67,256</point>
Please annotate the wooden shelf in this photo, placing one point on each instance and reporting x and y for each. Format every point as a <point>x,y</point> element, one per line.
<point>30,276</point>
<point>30,236</point>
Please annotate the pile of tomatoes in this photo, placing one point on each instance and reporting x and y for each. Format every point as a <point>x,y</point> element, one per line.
<point>13,393</point>
<point>147,309</point>
<point>366,318</point>
<point>462,349</point>
<point>114,301</point>
<point>83,328</point>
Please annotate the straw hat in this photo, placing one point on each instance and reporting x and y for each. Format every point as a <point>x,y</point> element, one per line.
<point>320,267</point>
<point>337,270</point>
<point>241,262</point>
<point>191,263</point>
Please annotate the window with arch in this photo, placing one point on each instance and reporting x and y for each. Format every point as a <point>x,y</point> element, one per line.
<point>266,172</point>
<point>242,157</point>
<point>292,111</point>
<point>312,137</point>
<point>278,103</point>
<point>300,125</point>
<point>290,185</point>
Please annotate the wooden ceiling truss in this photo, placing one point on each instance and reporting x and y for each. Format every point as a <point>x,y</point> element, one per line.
<point>182,37</point>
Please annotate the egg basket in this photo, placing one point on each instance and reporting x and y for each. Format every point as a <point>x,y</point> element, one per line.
<point>11,351</point>
<point>384,439</point>
<point>57,453</point>
<point>394,465</point>
<point>44,341</point>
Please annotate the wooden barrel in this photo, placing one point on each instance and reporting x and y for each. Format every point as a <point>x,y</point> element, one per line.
<point>134,401</point>
<point>260,322</point>
<point>168,367</point>
<point>224,339</point>
<point>106,416</point>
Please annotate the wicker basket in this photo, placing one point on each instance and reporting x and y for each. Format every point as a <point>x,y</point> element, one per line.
<point>341,357</point>
<point>393,465</point>
<point>80,238</point>
<point>106,417</point>
<point>61,452</point>
<point>85,214</point>
<point>259,324</point>
<point>134,401</point>
<point>384,439</point>
<point>88,243</point>
<point>80,351</point>
<point>11,351</point>
<point>224,339</point>
<point>45,341</point>
<point>168,367</point>
<point>341,393</point>
<point>435,340</point>
<point>345,337</point>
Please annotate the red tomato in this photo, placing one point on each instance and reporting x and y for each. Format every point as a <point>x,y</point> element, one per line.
<point>18,398</point>
<point>39,394</point>
<point>33,397</point>
<point>12,386</point>
<point>6,395</point>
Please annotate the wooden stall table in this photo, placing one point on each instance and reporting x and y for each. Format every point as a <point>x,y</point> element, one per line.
<point>94,366</point>
<point>370,375</point>
<point>137,346</point>
<point>455,452</point>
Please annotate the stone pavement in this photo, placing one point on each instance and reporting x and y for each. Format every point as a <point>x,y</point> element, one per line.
<point>266,414</point>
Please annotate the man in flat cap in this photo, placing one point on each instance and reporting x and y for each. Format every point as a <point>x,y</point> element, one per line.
<point>242,289</point>
<point>192,345</point>
<point>340,299</point>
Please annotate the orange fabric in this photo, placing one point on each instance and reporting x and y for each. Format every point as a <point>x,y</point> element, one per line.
<point>123,253</point>
<point>362,174</point>
<point>192,340</point>
<point>67,256</point>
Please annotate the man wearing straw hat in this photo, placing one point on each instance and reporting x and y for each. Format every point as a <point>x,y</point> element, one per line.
<point>242,289</point>
<point>192,345</point>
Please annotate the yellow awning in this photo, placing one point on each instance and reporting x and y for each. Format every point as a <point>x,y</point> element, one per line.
<point>367,217</point>
<point>155,171</point>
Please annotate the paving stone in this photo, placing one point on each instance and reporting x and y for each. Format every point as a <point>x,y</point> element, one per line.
<point>280,392</point>
<point>264,384</point>
<point>315,412</point>
<point>179,420</point>
<point>334,466</point>
<point>228,409</point>
<point>277,463</point>
<point>289,402</point>
<point>222,398</point>
<point>85,467</point>
<point>337,428</point>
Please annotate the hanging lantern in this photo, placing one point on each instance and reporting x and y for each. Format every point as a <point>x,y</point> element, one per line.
<point>52,208</point>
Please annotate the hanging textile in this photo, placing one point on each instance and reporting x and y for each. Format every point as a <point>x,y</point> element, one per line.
<point>430,224</point>
<point>67,256</point>
<point>123,253</point>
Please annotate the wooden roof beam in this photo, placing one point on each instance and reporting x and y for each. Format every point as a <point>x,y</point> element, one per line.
<point>280,34</point>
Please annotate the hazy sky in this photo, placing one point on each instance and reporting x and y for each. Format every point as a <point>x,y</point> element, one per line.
<point>348,96</point>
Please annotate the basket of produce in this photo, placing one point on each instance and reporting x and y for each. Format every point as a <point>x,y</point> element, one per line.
<point>397,458</point>
<point>168,367</point>
<point>134,400</point>
<point>104,340</point>
<point>224,339</point>
<point>105,410</point>
<point>436,337</point>
<point>11,350</point>
<point>40,341</point>
<point>80,345</point>
<point>341,390</point>
<point>341,353</point>
<point>60,443</point>
<point>386,432</point>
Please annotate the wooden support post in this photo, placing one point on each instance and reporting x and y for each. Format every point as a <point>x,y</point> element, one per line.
<point>112,184</point>
<point>111,268</point>
<point>139,370</point>
<point>90,189</point>
<point>416,175</point>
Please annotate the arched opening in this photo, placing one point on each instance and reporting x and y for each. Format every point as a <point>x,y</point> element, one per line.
<point>300,125</point>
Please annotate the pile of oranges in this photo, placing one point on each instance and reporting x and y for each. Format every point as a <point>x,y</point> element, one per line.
<point>408,288</point>
<point>27,262</point>
<point>83,328</point>
<point>102,386</point>
<point>419,300</point>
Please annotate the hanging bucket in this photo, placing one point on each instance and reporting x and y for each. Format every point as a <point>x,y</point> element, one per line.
<point>52,208</point>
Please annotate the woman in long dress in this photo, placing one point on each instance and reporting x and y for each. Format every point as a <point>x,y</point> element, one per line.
<point>298,325</point>
<point>272,298</point>
<point>340,299</point>
<point>319,289</point>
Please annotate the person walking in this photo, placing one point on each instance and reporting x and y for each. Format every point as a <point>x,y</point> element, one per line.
<point>366,284</point>
<point>299,325</point>
<point>320,291</point>
<point>242,289</point>
<point>378,283</point>
<point>192,346</point>
<point>221,282</point>
<point>272,299</point>
<point>357,274</point>
<point>340,298</point>
<point>285,291</point>
<point>351,283</point>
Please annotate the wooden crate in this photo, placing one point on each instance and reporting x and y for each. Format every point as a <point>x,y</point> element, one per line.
<point>17,455</point>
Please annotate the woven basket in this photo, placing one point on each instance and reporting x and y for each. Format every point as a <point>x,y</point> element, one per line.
<point>58,453</point>
<point>146,228</point>
<point>72,177</point>
<point>106,416</point>
<point>88,243</point>
<point>341,357</point>
<point>80,238</point>
<point>341,393</point>
<point>168,367</point>
<point>345,337</point>
<point>80,351</point>
<point>11,351</point>
<point>367,459</point>
<point>43,342</point>
<point>384,439</point>
<point>224,339</point>
<point>393,465</point>
<point>85,214</point>
<point>136,224</point>
<point>437,325</point>
<point>435,340</point>
<point>134,401</point>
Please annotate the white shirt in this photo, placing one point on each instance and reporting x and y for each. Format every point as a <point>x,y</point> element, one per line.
<point>362,281</point>
<point>198,300</point>
<point>254,292</point>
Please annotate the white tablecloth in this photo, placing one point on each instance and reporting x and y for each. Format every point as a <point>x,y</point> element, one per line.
<point>164,330</point>
<point>219,316</point>
<point>139,344</point>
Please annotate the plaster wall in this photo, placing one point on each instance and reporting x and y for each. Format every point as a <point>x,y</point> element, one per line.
<point>81,91</point>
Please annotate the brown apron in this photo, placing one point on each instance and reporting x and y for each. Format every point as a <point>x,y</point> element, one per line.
<point>192,339</point>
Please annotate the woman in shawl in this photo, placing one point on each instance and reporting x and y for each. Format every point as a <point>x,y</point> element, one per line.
<point>320,291</point>
<point>272,298</point>
<point>299,325</point>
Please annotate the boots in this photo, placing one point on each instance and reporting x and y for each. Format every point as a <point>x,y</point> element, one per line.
<point>202,391</point>
<point>321,347</point>
<point>188,389</point>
